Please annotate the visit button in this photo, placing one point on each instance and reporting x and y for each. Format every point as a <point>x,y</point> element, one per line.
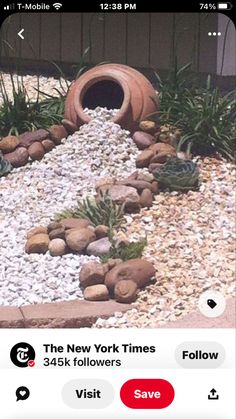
<point>147,393</point>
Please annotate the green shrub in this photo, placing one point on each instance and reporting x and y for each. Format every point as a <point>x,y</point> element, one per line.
<point>206,118</point>
<point>178,175</point>
<point>105,211</point>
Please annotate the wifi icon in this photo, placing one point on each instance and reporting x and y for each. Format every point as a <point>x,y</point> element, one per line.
<point>57,6</point>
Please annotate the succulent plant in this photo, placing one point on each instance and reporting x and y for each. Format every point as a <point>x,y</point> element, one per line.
<point>178,175</point>
<point>5,166</point>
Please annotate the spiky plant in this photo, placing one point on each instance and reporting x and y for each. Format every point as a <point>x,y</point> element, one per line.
<point>104,211</point>
<point>178,175</point>
<point>125,251</point>
<point>5,166</point>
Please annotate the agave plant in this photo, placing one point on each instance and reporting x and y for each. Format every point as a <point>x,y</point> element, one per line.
<point>178,175</point>
<point>5,166</point>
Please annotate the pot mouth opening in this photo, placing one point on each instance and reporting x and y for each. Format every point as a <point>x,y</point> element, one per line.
<point>103,93</point>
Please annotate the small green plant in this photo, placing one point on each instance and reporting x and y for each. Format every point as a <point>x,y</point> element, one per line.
<point>5,166</point>
<point>104,211</point>
<point>125,251</point>
<point>178,175</point>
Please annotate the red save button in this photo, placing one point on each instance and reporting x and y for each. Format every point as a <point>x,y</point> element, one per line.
<point>147,393</point>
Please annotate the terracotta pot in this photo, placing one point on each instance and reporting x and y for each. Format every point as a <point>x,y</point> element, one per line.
<point>113,86</point>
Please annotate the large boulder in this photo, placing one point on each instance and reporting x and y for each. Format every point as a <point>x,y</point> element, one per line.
<point>37,244</point>
<point>99,247</point>
<point>121,194</point>
<point>138,270</point>
<point>78,240</point>
<point>19,157</point>
<point>143,139</point>
<point>9,143</point>
<point>92,273</point>
<point>125,291</point>
<point>69,223</point>
<point>97,292</point>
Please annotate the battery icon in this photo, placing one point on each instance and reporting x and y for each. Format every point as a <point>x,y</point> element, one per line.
<point>224,6</point>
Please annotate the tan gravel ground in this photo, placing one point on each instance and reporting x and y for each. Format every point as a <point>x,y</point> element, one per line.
<point>191,243</point>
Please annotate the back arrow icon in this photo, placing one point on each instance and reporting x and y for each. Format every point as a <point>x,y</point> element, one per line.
<point>20,34</point>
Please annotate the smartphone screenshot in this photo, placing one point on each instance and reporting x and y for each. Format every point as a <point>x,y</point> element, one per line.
<point>117,210</point>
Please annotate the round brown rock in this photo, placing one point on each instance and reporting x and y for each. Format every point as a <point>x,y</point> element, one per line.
<point>162,148</point>
<point>36,151</point>
<point>143,140</point>
<point>92,273</point>
<point>101,231</point>
<point>57,133</point>
<point>37,244</point>
<point>77,223</point>
<point>54,226</point>
<point>78,240</point>
<point>57,247</point>
<point>9,143</point>
<point>96,293</point>
<point>138,270</point>
<point>19,157</point>
<point>144,158</point>
<point>155,187</point>
<point>125,291</point>
<point>59,233</point>
<point>113,262</point>
<point>162,157</point>
<point>48,145</point>
<point>146,198</point>
<point>37,230</point>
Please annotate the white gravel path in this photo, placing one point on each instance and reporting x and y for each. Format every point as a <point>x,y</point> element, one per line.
<point>31,195</point>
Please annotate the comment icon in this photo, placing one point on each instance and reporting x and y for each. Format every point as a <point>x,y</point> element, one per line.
<point>22,393</point>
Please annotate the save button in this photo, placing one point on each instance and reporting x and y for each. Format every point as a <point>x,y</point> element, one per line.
<point>143,393</point>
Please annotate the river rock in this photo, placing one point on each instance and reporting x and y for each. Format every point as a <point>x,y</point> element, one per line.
<point>19,157</point>
<point>29,137</point>
<point>58,233</point>
<point>146,198</point>
<point>96,293</point>
<point>143,139</point>
<point>148,126</point>
<point>138,270</point>
<point>9,143</point>
<point>57,133</point>
<point>99,247</point>
<point>125,291</point>
<point>121,194</point>
<point>37,244</point>
<point>48,145</point>
<point>54,226</point>
<point>37,230</point>
<point>76,223</point>
<point>36,151</point>
<point>78,240</point>
<point>144,158</point>
<point>101,231</point>
<point>162,148</point>
<point>57,247</point>
<point>91,273</point>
